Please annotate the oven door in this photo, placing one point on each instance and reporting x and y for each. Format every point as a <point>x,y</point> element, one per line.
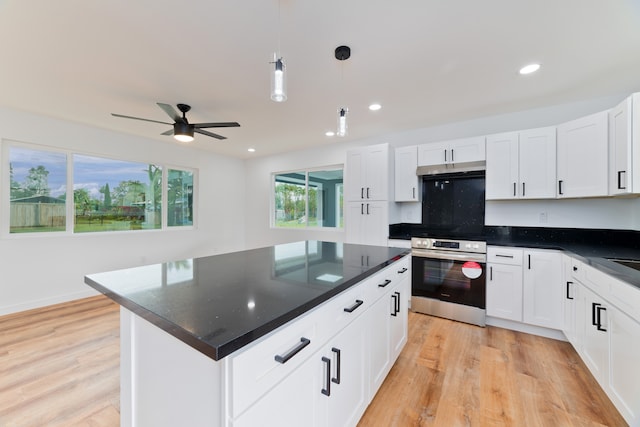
<point>453,277</point>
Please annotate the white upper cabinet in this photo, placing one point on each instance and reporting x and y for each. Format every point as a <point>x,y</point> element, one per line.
<point>448,154</point>
<point>407,188</point>
<point>583,151</point>
<point>624,147</point>
<point>521,165</point>
<point>367,173</point>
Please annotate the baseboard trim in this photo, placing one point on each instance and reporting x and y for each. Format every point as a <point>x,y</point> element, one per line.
<point>30,305</point>
<point>523,327</point>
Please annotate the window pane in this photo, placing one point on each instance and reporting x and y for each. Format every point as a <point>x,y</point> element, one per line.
<point>325,198</point>
<point>112,195</point>
<point>290,209</point>
<point>180,198</point>
<point>38,181</point>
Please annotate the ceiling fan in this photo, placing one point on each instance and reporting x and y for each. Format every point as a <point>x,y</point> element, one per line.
<point>182,129</point>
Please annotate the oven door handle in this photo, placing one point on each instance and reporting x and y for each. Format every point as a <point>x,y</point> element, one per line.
<point>447,255</point>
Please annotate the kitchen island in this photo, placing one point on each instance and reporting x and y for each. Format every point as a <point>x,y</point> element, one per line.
<point>308,329</point>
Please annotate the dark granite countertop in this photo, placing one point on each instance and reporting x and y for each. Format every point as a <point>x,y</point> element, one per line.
<point>594,247</point>
<point>218,304</point>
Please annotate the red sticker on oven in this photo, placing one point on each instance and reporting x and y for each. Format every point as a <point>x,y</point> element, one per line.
<point>471,269</point>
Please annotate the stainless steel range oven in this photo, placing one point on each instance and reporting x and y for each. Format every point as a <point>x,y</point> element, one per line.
<point>448,278</point>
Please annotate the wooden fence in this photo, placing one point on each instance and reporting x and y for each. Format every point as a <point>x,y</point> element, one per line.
<point>38,215</point>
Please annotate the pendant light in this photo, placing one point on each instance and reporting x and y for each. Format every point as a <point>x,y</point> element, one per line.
<point>342,53</point>
<point>278,80</point>
<point>278,76</point>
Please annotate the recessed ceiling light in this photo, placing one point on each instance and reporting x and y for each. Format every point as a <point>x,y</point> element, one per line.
<point>528,69</point>
<point>251,150</point>
<point>329,133</point>
<point>375,107</point>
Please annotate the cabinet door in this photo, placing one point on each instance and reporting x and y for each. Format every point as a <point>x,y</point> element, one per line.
<point>582,157</point>
<point>467,150</point>
<point>367,223</point>
<point>595,345</point>
<point>543,289</point>
<point>379,333</point>
<point>570,300</point>
<point>376,184</point>
<point>293,402</point>
<point>433,153</point>
<point>406,180</point>
<point>620,148</point>
<point>348,397</point>
<point>399,318</point>
<point>502,181</point>
<point>354,175</point>
<point>624,375</point>
<point>504,291</point>
<point>537,163</point>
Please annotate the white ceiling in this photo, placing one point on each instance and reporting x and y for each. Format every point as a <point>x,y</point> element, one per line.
<point>428,62</point>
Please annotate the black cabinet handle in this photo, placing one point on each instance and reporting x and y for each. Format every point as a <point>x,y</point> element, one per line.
<point>594,306</point>
<point>523,189</point>
<point>367,208</point>
<point>445,155</point>
<point>514,189</point>
<point>404,269</point>
<point>599,310</point>
<point>386,282</point>
<point>503,256</point>
<point>575,268</point>
<point>357,304</point>
<point>361,208</point>
<point>362,192</point>
<point>560,187</point>
<point>303,343</point>
<point>327,390</point>
<point>414,193</point>
<point>336,379</point>
<point>568,293</point>
<point>367,192</point>
<point>395,304</point>
<point>620,187</point>
<point>452,155</point>
<point>491,273</point>
<point>529,262</point>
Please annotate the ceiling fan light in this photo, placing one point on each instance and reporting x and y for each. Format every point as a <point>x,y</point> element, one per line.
<point>182,132</point>
<point>278,81</point>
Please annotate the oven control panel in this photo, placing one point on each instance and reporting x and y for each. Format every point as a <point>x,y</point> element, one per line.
<point>449,245</point>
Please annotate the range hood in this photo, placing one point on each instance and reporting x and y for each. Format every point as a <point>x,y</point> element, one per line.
<point>451,167</point>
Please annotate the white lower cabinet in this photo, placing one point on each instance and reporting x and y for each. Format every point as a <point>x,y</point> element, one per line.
<point>525,285</point>
<point>606,337</point>
<point>331,381</point>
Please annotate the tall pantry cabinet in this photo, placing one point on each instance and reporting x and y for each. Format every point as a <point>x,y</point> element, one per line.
<point>367,195</point>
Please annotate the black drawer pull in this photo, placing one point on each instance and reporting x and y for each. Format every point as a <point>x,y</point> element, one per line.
<point>327,390</point>
<point>386,282</point>
<point>568,293</point>
<point>503,256</point>
<point>357,304</point>
<point>599,321</point>
<point>594,306</point>
<point>397,307</point>
<point>303,343</point>
<point>404,269</point>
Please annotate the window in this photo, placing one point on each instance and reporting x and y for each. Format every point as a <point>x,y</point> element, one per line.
<point>309,198</point>
<point>179,198</point>
<point>38,186</point>
<point>108,194</point>
<point>111,195</point>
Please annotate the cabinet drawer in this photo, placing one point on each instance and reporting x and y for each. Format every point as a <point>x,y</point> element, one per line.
<point>343,309</point>
<point>626,297</point>
<point>254,371</point>
<point>383,281</point>
<point>503,255</point>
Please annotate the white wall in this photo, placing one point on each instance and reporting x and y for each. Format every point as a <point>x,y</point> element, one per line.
<point>46,269</point>
<point>590,213</point>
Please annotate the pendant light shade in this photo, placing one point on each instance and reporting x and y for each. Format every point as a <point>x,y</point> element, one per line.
<point>278,81</point>
<point>342,121</point>
<point>182,132</point>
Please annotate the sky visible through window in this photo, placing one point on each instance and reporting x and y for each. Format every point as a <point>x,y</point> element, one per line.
<point>92,173</point>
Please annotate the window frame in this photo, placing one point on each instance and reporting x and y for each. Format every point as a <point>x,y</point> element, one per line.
<point>306,171</point>
<point>5,192</point>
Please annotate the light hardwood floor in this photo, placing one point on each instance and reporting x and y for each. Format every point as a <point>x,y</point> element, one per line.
<point>59,367</point>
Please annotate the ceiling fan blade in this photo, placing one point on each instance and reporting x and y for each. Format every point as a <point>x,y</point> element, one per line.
<point>169,132</point>
<point>170,111</point>
<point>216,125</point>
<point>138,118</point>
<point>211,134</point>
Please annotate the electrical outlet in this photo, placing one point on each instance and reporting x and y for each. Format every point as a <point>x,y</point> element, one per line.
<point>543,217</point>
